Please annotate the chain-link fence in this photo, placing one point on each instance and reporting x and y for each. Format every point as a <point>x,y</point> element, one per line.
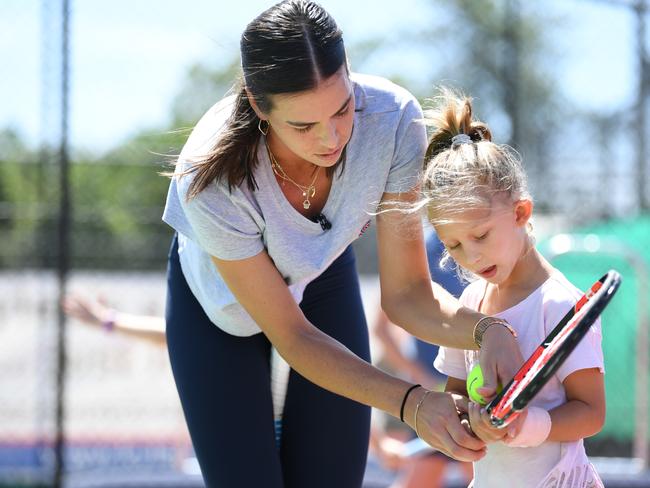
<point>122,413</point>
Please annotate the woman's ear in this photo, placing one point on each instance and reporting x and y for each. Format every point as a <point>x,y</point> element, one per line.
<point>523,212</point>
<point>251,99</point>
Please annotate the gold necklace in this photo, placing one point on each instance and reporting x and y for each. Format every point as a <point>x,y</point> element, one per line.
<point>307,191</point>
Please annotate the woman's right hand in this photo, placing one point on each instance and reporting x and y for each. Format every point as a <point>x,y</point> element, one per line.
<point>500,359</point>
<point>438,424</point>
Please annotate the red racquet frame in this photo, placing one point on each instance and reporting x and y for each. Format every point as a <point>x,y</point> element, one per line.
<point>553,351</point>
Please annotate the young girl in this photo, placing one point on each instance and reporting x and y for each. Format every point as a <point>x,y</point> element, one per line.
<point>476,197</point>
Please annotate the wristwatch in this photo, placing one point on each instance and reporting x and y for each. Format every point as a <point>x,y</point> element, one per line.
<point>485,323</point>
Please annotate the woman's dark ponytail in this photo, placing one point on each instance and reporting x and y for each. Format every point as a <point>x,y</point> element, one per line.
<point>233,157</point>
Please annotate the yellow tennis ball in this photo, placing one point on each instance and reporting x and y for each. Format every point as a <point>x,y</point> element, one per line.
<point>474,381</point>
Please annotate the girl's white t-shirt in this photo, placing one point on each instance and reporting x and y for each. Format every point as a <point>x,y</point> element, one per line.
<point>533,318</point>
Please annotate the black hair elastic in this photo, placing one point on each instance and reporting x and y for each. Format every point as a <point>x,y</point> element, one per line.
<point>406,395</point>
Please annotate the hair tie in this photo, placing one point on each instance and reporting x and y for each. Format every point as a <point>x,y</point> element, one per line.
<point>459,139</point>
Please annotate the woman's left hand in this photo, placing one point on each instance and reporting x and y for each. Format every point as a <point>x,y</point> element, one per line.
<point>439,426</point>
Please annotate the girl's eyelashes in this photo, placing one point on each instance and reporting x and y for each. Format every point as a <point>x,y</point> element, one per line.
<point>303,129</point>
<point>478,238</point>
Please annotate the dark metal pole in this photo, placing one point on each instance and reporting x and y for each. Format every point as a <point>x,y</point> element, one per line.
<point>641,119</point>
<point>64,249</point>
<point>512,68</point>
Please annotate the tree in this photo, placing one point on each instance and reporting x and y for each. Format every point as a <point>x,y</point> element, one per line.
<point>499,51</point>
<point>203,86</point>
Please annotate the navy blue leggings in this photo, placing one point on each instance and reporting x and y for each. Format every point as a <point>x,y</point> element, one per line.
<point>224,385</point>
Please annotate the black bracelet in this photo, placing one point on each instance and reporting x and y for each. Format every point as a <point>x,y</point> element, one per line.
<point>406,395</point>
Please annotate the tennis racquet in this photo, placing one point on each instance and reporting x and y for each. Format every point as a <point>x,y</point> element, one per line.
<point>552,353</point>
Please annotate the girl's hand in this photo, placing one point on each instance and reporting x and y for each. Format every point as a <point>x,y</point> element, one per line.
<point>462,407</point>
<point>479,421</point>
<point>500,359</point>
<point>438,424</point>
<point>516,425</point>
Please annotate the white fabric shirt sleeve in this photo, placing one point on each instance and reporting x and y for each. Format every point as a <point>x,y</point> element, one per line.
<point>223,222</point>
<point>410,146</point>
<point>451,362</point>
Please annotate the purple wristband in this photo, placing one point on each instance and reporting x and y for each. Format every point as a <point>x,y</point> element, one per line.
<point>109,324</point>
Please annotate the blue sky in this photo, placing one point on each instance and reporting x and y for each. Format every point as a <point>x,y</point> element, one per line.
<point>130,57</point>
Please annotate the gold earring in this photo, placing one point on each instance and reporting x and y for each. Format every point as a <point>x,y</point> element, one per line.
<point>264,130</point>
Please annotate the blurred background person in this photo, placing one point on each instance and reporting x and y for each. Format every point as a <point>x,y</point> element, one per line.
<point>95,312</point>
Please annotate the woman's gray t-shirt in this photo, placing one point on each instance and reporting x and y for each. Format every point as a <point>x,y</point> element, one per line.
<point>385,154</point>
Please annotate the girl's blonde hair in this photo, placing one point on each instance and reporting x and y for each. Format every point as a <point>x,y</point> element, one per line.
<point>463,168</point>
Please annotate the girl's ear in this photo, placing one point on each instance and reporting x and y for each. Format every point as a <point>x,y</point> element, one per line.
<point>523,212</point>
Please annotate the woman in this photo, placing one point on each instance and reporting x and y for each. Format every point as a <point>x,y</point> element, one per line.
<point>270,190</point>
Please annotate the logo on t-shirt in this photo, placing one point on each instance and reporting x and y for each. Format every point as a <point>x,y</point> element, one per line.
<point>364,228</point>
